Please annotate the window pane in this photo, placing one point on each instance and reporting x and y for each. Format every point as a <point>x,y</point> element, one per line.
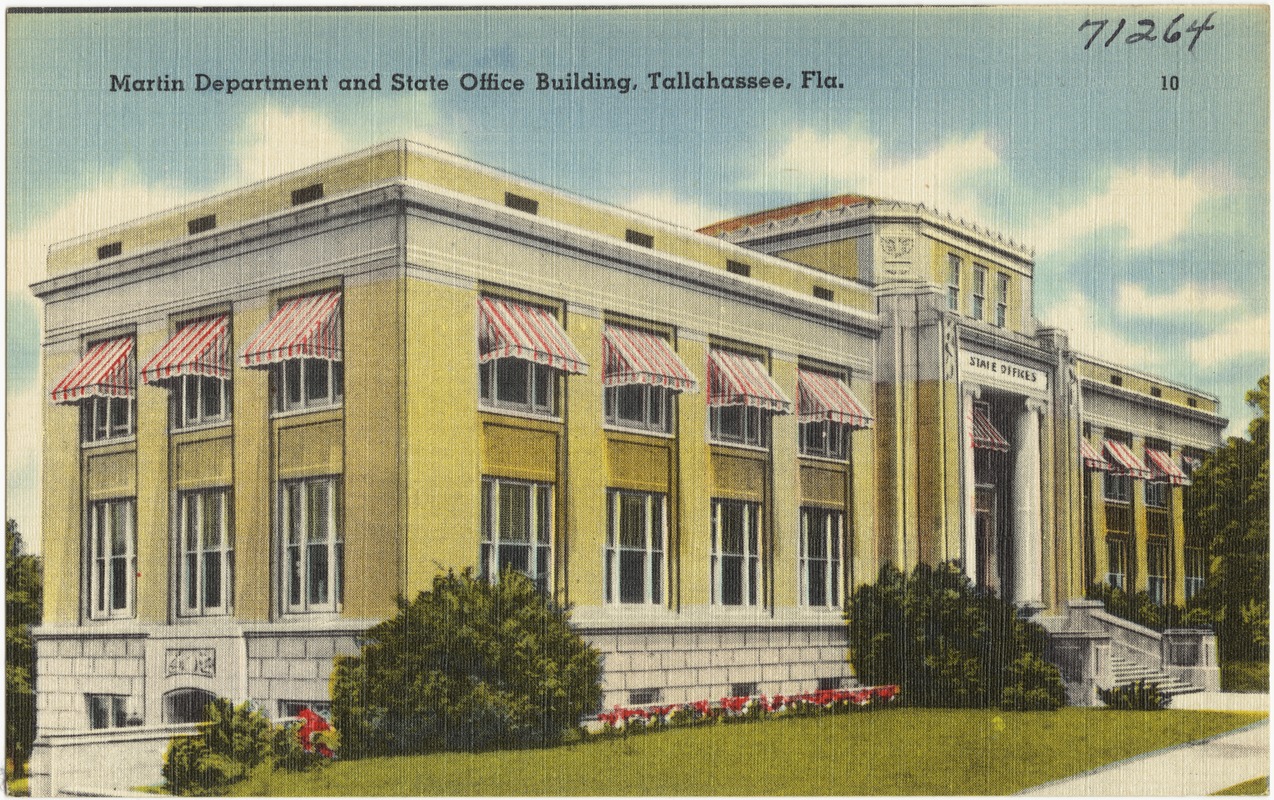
<point>515,556</point>
<point>817,582</point>
<point>210,388</point>
<point>632,576</point>
<point>632,521</point>
<point>294,575</point>
<point>316,380</point>
<point>630,403</point>
<point>338,380</point>
<point>292,382</point>
<point>212,579</point>
<point>317,578</point>
<point>731,528</point>
<point>730,423</point>
<point>119,583</point>
<point>543,386</point>
<point>515,501</point>
<point>731,580</point>
<point>212,520</point>
<point>191,580</point>
<point>544,504</point>
<point>292,509</point>
<point>191,388</point>
<point>320,498</point>
<point>513,381</point>
<point>119,528</point>
<point>121,424</point>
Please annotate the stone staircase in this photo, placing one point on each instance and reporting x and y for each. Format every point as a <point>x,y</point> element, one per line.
<point>1123,671</point>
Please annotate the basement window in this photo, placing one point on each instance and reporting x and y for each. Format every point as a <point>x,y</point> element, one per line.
<point>110,250</point>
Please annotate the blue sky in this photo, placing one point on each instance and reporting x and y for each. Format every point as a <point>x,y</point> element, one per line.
<point>1148,208</point>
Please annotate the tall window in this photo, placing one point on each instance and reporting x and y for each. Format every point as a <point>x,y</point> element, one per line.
<point>517,530</point>
<point>200,400</point>
<point>1157,570</point>
<point>745,425</point>
<point>207,553</point>
<point>978,299</point>
<point>822,545</point>
<point>313,544</point>
<point>309,383</point>
<point>1196,569</point>
<point>953,282</point>
<point>106,418</point>
<point>1117,562</point>
<point>640,406</point>
<point>1001,299</point>
<point>736,553</point>
<point>635,547</point>
<point>113,554</point>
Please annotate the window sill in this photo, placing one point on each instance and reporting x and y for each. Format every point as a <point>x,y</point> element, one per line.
<point>751,448</point>
<point>200,427</point>
<point>839,460</point>
<point>119,440</point>
<point>298,412</point>
<point>513,412</point>
<point>613,428</point>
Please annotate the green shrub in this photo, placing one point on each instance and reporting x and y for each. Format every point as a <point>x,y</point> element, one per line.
<point>233,741</point>
<point>1134,696</point>
<point>466,666</point>
<point>947,643</point>
<point>1033,685</point>
<point>1139,608</point>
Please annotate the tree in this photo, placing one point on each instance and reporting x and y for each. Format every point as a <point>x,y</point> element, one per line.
<point>24,599</point>
<point>468,665</point>
<point>1228,506</point>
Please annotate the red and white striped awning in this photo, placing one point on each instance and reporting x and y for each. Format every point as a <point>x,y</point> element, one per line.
<point>637,357</point>
<point>738,380</point>
<point>306,327</point>
<point>1163,468</point>
<point>824,398</point>
<point>200,348</point>
<point>1092,458</point>
<point>1123,461</point>
<point>985,436</point>
<point>515,330</point>
<point>106,370</point>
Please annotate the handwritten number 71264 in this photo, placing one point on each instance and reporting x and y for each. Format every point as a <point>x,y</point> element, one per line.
<point>1145,31</point>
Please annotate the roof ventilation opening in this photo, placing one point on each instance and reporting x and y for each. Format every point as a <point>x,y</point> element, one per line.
<point>307,194</point>
<point>201,224</point>
<point>738,268</point>
<point>823,293</point>
<point>519,203</point>
<point>110,250</point>
<point>1116,380</point>
<point>639,239</point>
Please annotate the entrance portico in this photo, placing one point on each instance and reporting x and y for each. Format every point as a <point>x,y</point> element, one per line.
<point>1002,405</point>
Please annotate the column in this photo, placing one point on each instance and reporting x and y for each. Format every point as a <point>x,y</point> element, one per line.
<point>1027,575</point>
<point>969,556</point>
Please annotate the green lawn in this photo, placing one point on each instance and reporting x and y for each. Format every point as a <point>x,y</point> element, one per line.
<point>890,751</point>
<point>1254,786</point>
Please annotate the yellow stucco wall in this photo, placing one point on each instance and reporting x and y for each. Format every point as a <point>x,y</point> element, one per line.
<point>443,437</point>
<point>1135,383</point>
<point>203,460</point>
<point>693,545</point>
<point>784,527</point>
<point>372,459</point>
<point>253,485</point>
<point>839,257</point>
<point>578,555</point>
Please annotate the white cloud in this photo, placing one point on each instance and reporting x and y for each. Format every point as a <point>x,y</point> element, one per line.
<point>1244,336</point>
<point>1147,205</point>
<point>853,162</point>
<point>668,207</point>
<point>1078,315</point>
<point>1187,299</point>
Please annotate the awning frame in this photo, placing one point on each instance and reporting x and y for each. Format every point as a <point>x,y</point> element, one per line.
<point>1164,470</point>
<point>509,329</point>
<point>827,398</point>
<point>303,327</point>
<point>105,370</point>
<point>201,348</point>
<point>735,379</point>
<point>634,357</point>
<point>1123,462</point>
<point>985,435</point>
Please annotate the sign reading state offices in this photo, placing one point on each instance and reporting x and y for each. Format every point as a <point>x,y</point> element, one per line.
<point>999,372</point>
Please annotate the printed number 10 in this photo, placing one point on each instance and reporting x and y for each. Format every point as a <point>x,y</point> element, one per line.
<point>1169,83</point>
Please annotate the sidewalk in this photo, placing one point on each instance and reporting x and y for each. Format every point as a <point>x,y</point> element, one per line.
<point>1191,769</point>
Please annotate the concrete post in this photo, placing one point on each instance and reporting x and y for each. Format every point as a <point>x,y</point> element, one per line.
<point>1028,577</point>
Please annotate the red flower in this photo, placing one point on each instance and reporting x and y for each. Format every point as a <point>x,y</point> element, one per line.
<point>312,724</point>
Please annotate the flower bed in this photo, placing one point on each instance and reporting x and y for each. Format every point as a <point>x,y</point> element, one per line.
<point>730,709</point>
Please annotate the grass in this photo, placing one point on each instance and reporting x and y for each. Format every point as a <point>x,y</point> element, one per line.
<point>891,751</point>
<point>1245,676</point>
<point>1254,786</point>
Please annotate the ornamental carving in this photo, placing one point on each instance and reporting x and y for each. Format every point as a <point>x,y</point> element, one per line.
<point>897,248</point>
<point>201,662</point>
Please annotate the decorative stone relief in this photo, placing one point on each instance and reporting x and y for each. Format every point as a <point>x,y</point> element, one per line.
<point>201,662</point>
